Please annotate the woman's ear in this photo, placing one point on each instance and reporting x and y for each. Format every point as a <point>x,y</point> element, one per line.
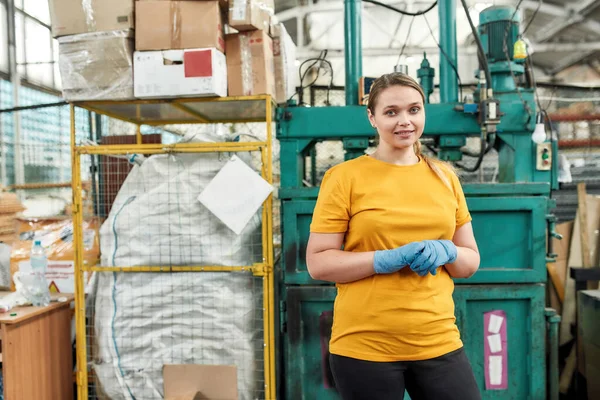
<point>371,118</point>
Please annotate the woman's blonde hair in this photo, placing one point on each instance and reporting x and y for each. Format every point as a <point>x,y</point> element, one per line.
<point>400,79</point>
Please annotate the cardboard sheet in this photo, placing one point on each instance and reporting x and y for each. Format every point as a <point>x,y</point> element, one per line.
<point>235,194</point>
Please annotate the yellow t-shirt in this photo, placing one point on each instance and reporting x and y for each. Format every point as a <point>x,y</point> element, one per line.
<point>399,316</point>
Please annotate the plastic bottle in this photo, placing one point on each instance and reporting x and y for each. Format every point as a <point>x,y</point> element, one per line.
<point>38,288</point>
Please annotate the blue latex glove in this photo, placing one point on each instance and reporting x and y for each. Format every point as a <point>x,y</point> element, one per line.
<point>435,254</point>
<point>389,261</point>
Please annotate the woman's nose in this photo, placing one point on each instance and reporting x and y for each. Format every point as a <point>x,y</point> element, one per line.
<point>403,120</point>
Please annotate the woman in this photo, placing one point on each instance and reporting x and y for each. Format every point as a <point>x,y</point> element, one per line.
<point>403,223</point>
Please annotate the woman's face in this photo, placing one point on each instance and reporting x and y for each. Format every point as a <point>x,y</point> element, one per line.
<point>399,116</point>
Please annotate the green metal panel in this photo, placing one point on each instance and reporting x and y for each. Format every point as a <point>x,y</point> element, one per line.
<point>510,232</point>
<point>448,79</point>
<point>304,375</point>
<point>506,189</point>
<point>306,369</point>
<point>511,235</point>
<point>553,322</point>
<point>352,121</point>
<point>524,307</point>
<point>353,46</point>
<point>291,155</point>
<point>296,218</point>
<point>526,334</point>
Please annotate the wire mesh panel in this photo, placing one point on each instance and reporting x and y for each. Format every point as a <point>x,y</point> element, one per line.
<point>176,282</point>
<point>139,322</point>
<point>34,143</point>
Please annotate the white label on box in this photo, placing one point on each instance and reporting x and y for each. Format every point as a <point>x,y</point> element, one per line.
<point>238,13</point>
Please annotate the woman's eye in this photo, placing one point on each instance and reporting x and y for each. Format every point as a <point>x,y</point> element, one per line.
<point>415,110</point>
<point>390,112</point>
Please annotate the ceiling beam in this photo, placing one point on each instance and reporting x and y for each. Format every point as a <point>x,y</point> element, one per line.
<point>293,12</point>
<point>556,11</point>
<point>566,62</point>
<point>334,6</point>
<point>571,17</point>
<point>393,39</point>
<point>586,47</point>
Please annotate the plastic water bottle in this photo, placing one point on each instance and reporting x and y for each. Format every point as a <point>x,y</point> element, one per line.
<point>38,287</point>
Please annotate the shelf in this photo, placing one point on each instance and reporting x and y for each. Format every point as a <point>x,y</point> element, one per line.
<point>574,143</point>
<point>558,117</point>
<point>184,110</point>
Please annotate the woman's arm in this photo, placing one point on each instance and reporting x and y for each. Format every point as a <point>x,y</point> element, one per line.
<point>327,262</point>
<point>467,261</point>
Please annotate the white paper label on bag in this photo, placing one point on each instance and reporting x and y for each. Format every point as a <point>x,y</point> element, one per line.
<point>495,323</point>
<point>495,343</point>
<point>495,368</point>
<point>235,194</point>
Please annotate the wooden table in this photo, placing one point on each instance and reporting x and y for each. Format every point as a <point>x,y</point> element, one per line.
<point>37,357</point>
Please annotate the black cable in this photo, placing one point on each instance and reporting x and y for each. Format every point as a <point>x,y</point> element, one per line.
<point>446,57</point>
<point>548,124</point>
<point>532,17</point>
<point>425,11</point>
<point>301,75</point>
<point>533,80</point>
<point>480,51</point>
<point>482,152</point>
<point>330,82</point>
<point>512,74</point>
<point>406,41</point>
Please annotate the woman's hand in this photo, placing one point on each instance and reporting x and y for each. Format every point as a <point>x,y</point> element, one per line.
<point>389,261</point>
<point>435,254</point>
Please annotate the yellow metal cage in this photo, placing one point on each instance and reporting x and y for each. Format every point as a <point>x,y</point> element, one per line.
<point>160,113</point>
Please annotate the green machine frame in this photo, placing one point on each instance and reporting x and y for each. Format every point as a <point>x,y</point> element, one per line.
<point>512,219</point>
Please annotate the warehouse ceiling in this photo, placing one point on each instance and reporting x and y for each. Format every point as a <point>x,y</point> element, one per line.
<point>561,34</point>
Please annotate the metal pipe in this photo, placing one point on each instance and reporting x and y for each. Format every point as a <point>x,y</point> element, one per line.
<point>447,40</point>
<point>553,378</point>
<point>19,177</point>
<point>34,107</point>
<point>353,47</point>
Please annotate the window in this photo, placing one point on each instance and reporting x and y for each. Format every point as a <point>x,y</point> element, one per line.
<point>4,40</point>
<point>36,51</point>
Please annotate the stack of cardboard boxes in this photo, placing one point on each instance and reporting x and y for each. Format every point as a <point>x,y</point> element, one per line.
<point>182,48</point>
<point>10,207</point>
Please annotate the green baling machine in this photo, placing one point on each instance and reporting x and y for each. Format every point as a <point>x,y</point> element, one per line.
<point>512,218</point>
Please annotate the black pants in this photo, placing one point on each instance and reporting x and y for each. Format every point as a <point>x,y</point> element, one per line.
<point>448,377</point>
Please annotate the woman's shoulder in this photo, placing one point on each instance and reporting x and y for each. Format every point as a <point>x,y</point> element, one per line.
<point>446,168</point>
<point>346,168</point>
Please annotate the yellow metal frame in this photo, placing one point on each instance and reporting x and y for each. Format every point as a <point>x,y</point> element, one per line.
<point>179,104</point>
<point>264,269</point>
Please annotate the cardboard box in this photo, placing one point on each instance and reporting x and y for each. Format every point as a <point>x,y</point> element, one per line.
<point>71,17</point>
<point>173,25</point>
<point>97,66</point>
<point>223,3</point>
<point>59,249</point>
<point>195,382</point>
<point>198,72</point>
<point>250,67</point>
<point>284,61</point>
<point>558,270</point>
<point>248,15</point>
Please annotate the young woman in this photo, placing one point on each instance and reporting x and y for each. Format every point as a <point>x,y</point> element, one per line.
<point>391,229</point>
